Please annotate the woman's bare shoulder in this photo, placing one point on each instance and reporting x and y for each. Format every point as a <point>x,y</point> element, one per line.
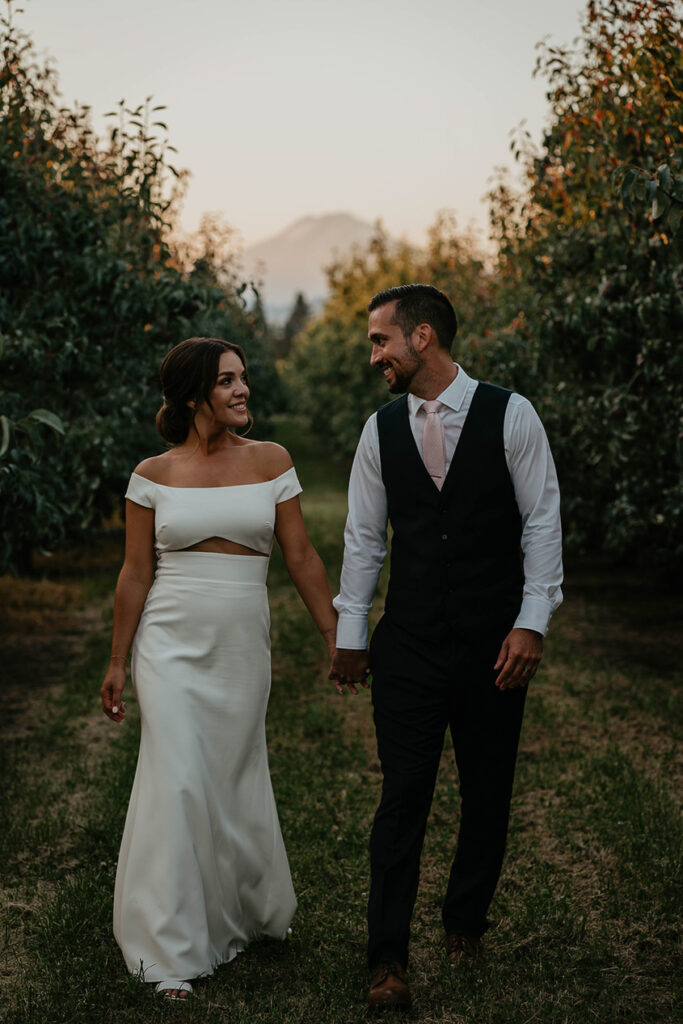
<point>273,459</point>
<point>155,468</point>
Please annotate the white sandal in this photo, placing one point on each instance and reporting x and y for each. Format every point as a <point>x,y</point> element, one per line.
<point>180,990</point>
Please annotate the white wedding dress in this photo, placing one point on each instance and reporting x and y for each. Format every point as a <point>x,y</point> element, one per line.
<point>202,869</point>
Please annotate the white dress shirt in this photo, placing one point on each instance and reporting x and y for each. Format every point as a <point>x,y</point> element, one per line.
<point>534,479</point>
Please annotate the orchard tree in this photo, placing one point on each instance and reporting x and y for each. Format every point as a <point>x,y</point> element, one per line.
<point>92,293</point>
<point>590,278</point>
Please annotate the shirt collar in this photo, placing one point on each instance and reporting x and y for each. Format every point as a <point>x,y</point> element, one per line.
<point>452,396</point>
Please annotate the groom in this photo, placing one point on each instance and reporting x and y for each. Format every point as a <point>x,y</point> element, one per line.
<point>463,472</point>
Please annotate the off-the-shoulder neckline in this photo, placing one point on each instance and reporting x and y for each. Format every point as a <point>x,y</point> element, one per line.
<point>217,487</point>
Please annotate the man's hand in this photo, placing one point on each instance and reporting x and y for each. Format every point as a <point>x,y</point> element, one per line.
<point>351,668</point>
<point>519,658</point>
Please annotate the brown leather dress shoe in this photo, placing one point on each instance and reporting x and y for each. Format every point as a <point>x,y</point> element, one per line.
<point>461,947</point>
<point>388,986</point>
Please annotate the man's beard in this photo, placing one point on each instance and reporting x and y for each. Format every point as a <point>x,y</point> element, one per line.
<point>401,383</point>
<point>403,379</point>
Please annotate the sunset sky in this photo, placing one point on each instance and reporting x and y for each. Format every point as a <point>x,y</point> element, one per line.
<point>383,108</point>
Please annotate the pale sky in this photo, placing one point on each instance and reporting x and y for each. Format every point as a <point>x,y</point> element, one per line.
<point>388,109</point>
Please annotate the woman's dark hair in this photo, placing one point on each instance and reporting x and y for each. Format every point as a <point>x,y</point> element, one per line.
<point>188,374</point>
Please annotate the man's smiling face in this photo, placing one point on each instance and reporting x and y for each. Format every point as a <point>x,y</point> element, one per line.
<point>392,354</point>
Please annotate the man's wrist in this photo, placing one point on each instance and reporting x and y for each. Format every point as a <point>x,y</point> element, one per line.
<point>352,632</point>
<point>534,615</point>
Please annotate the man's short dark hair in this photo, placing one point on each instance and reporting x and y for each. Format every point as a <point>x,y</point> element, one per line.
<point>420,304</point>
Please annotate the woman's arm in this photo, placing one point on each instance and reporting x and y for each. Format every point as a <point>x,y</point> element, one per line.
<point>132,588</point>
<point>306,568</point>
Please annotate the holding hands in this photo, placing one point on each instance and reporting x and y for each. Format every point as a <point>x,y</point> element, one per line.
<point>350,668</point>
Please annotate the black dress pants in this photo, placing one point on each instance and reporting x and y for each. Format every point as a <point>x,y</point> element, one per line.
<point>418,689</point>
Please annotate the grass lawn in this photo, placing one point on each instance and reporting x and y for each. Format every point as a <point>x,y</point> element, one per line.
<point>586,923</point>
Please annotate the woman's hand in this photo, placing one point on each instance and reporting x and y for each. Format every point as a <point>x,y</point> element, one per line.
<point>111,691</point>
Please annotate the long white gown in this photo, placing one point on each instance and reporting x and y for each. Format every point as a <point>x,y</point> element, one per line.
<point>202,869</point>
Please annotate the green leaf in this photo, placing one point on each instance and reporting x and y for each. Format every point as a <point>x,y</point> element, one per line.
<point>673,218</point>
<point>48,418</point>
<point>627,186</point>
<point>664,177</point>
<point>616,175</point>
<point>660,205</point>
<point>5,437</point>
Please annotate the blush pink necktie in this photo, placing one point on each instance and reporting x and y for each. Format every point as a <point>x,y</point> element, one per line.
<point>434,443</point>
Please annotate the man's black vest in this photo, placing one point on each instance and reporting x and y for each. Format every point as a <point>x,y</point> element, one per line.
<point>455,554</point>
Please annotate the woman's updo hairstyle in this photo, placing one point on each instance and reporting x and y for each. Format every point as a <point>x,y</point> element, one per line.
<point>188,374</point>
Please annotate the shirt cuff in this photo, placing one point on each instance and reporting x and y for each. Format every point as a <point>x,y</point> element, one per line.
<point>352,632</point>
<point>534,614</point>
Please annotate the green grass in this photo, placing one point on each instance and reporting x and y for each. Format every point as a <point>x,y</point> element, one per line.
<point>586,912</point>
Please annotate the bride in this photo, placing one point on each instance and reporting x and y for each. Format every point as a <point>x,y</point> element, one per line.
<point>202,869</point>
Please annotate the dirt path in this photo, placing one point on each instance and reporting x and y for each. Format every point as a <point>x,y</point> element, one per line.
<point>44,631</point>
<point>46,623</point>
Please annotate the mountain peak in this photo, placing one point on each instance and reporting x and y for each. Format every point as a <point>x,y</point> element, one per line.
<point>340,220</point>
<point>292,260</point>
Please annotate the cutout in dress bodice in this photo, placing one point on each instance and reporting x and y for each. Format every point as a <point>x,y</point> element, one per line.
<point>223,546</point>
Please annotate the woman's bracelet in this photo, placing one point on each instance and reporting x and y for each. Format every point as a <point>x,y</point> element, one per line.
<point>119,657</point>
